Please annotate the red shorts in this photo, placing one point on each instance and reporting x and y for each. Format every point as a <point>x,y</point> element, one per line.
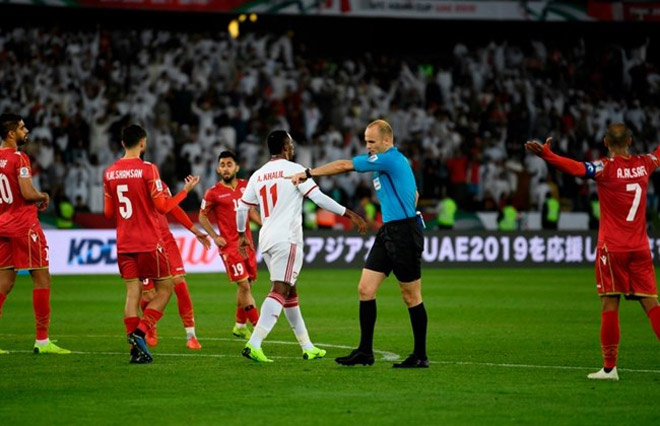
<point>29,251</point>
<point>140,266</point>
<point>174,256</point>
<point>629,273</point>
<point>239,268</point>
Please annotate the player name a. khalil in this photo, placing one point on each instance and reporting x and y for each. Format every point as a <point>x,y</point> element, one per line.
<point>270,176</point>
<point>635,172</point>
<point>124,174</point>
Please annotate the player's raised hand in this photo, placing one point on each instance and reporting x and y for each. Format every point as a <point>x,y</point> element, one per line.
<point>298,178</point>
<point>357,221</point>
<point>191,181</point>
<point>536,148</point>
<point>219,241</point>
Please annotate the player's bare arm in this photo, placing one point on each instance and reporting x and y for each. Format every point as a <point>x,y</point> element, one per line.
<point>255,216</point>
<point>30,193</point>
<point>208,227</point>
<point>357,221</point>
<point>333,168</point>
<point>243,243</point>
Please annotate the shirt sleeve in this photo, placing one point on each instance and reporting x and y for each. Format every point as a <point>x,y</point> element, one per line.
<point>24,168</point>
<point>250,195</point>
<point>375,163</point>
<point>154,183</point>
<point>207,203</point>
<point>654,159</point>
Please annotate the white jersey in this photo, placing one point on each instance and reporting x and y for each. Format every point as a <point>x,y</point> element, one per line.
<point>279,201</point>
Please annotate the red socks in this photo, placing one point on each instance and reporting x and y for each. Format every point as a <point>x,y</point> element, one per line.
<point>149,319</point>
<point>131,324</point>
<point>3,297</point>
<point>654,316</point>
<point>241,316</point>
<point>609,337</point>
<point>41,304</point>
<point>185,304</point>
<point>252,313</point>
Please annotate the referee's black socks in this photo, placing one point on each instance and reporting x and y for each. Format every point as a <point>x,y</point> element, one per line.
<point>419,320</point>
<point>367,324</point>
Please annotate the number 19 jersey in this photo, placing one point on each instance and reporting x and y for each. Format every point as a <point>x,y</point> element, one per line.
<point>132,184</point>
<point>279,202</point>
<point>622,184</point>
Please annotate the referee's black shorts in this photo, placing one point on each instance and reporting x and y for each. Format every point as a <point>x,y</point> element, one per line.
<point>398,247</point>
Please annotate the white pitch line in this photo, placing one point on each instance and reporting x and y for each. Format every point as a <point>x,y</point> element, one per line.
<point>387,356</point>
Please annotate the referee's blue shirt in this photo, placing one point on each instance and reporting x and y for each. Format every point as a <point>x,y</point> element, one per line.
<point>393,180</point>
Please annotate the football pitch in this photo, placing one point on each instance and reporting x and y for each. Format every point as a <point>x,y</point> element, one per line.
<point>506,346</point>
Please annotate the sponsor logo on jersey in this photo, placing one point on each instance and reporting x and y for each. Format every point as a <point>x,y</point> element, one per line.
<point>373,158</point>
<point>159,185</point>
<point>631,173</point>
<point>377,183</point>
<point>24,172</point>
<point>203,206</point>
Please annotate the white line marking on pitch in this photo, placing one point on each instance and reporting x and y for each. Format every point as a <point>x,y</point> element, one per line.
<point>387,356</point>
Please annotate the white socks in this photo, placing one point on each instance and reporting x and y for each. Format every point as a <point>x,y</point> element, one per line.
<point>270,313</point>
<point>298,326</point>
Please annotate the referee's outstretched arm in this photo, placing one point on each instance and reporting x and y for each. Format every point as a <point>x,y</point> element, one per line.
<point>334,168</point>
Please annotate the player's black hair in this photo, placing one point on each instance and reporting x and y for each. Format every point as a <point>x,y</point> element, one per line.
<point>132,134</point>
<point>228,154</point>
<point>276,140</point>
<point>8,122</point>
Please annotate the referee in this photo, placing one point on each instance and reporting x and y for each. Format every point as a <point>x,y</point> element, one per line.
<point>399,242</point>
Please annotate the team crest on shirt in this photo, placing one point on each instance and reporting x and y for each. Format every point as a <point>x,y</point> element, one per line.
<point>373,158</point>
<point>603,259</point>
<point>34,237</point>
<point>24,172</point>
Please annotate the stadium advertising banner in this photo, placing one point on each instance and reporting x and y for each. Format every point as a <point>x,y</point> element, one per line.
<point>510,10</point>
<point>95,251</point>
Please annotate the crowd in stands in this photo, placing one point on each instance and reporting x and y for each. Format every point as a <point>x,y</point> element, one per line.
<point>461,118</point>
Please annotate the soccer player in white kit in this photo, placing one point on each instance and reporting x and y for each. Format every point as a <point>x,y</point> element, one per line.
<point>281,239</point>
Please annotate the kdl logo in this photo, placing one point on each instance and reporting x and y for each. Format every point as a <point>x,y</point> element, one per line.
<point>91,252</point>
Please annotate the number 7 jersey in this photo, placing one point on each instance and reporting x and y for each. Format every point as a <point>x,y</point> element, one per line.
<point>622,184</point>
<point>132,184</point>
<point>279,202</point>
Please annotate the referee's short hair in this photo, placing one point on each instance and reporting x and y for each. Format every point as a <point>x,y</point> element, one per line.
<point>276,141</point>
<point>384,129</point>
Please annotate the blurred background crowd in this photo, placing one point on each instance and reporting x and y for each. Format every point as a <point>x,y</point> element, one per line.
<point>461,115</point>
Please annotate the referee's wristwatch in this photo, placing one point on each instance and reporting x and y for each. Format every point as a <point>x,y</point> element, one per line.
<point>308,173</point>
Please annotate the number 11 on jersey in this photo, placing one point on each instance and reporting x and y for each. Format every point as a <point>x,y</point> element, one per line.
<point>264,198</point>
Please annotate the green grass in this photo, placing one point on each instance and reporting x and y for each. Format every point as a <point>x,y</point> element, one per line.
<point>507,346</point>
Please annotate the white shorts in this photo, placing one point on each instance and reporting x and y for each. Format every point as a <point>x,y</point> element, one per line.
<point>284,261</point>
